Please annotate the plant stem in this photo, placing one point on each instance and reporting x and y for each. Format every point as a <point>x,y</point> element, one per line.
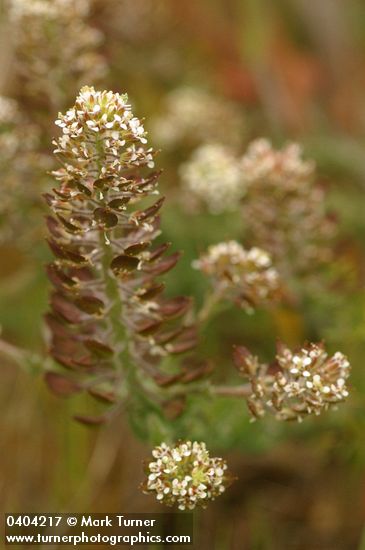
<point>26,360</point>
<point>211,300</point>
<point>232,391</point>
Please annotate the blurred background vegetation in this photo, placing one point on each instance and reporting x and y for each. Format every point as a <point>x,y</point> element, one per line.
<point>292,70</point>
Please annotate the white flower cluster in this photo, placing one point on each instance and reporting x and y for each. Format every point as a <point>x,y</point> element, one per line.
<point>195,115</point>
<point>301,383</point>
<point>262,162</point>
<point>185,475</point>
<point>101,136</point>
<point>245,276</point>
<point>212,176</point>
<point>51,9</point>
<point>313,378</point>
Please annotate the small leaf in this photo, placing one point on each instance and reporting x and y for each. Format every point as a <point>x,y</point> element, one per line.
<point>143,215</point>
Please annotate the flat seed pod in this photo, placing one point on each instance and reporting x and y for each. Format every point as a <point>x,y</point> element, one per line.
<point>158,252</point>
<point>149,327</point>
<point>105,217</point>
<point>84,189</point>
<point>65,309</point>
<point>119,204</point>
<point>168,336</point>
<point>61,385</point>
<point>98,348</point>
<point>164,265</point>
<point>59,279</point>
<point>89,420</point>
<point>175,307</point>
<point>135,249</point>
<point>124,263</point>
<point>63,360</point>
<point>165,380</point>
<point>182,347</point>
<point>150,292</point>
<point>103,182</point>
<point>90,304</point>
<point>69,225</point>
<point>197,373</point>
<point>54,227</point>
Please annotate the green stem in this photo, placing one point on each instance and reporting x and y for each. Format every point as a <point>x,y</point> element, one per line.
<point>26,360</point>
<point>211,301</point>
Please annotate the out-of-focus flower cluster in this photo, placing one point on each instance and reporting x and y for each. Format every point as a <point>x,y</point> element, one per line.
<point>102,122</point>
<point>245,276</point>
<point>212,176</point>
<point>136,20</point>
<point>19,165</point>
<point>194,116</point>
<point>56,47</point>
<point>185,475</point>
<point>17,135</point>
<point>297,384</point>
<point>285,168</point>
<point>282,207</point>
<point>284,210</point>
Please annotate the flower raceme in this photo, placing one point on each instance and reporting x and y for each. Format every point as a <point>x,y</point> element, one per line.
<point>297,384</point>
<point>284,209</point>
<point>185,475</point>
<point>110,323</point>
<point>245,276</point>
